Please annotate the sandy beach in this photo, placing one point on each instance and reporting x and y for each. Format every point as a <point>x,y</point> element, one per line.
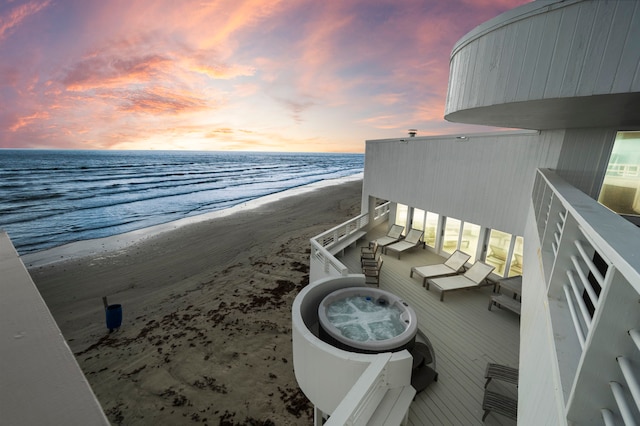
<point>206,332</point>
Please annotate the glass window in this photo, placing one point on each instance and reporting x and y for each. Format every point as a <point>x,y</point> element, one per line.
<point>516,259</point>
<point>498,250</point>
<point>418,219</point>
<point>621,186</point>
<point>469,240</point>
<point>401,216</point>
<point>451,235</point>
<point>430,229</point>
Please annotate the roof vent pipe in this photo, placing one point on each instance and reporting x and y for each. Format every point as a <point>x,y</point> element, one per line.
<point>413,132</point>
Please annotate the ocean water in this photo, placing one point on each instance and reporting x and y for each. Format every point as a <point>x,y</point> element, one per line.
<point>50,198</point>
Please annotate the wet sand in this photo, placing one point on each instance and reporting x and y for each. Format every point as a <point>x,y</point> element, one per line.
<point>206,332</point>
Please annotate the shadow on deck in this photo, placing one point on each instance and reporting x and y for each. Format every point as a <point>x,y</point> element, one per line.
<point>465,335</point>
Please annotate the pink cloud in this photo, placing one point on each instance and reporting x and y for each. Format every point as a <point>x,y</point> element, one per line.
<point>223,71</point>
<point>23,121</point>
<point>126,72</point>
<point>388,99</point>
<point>382,121</point>
<point>161,101</point>
<point>18,15</point>
<point>107,71</point>
<point>501,4</point>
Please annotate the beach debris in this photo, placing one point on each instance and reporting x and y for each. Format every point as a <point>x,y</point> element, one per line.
<point>296,402</point>
<point>198,330</point>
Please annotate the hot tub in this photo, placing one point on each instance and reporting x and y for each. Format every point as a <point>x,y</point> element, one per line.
<point>367,320</point>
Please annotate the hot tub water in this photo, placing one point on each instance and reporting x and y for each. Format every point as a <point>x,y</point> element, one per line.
<point>363,318</point>
<point>366,320</point>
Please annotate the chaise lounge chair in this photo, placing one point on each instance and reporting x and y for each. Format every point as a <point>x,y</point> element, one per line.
<point>451,266</point>
<point>394,234</point>
<point>412,239</point>
<point>476,276</point>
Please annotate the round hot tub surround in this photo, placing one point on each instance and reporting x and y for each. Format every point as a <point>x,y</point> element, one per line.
<point>367,320</point>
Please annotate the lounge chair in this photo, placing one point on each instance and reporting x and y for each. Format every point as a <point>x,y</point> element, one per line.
<point>394,234</point>
<point>451,266</point>
<point>476,276</point>
<point>412,239</point>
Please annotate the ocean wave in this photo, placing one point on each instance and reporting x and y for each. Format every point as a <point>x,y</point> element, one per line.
<point>51,198</point>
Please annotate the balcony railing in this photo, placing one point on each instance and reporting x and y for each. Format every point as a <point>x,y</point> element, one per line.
<point>362,403</point>
<point>325,246</point>
<point>590,260</point>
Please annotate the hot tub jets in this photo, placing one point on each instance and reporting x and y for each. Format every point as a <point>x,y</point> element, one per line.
<point>367,320</point>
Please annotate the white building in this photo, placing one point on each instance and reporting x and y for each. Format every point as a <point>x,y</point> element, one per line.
<point>526,202</point>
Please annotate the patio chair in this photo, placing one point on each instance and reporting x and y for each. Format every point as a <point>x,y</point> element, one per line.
<point>412,239</point>
<point>500,372</point>
<point>369,256</point>
<point>369,252</point>
<point>454,264</point>
<point>394,234</point>
<point>372,272</point>
<point>501,404</point>
<point>476,276</point>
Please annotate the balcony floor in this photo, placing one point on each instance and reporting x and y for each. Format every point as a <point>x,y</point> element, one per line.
<point>464,333</point>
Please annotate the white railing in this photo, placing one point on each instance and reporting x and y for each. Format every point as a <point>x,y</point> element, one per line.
<point>326,245</point>
<point>626,170</point>
<point>589,257</point>
<point>362,401</point>
<point>364,397</point>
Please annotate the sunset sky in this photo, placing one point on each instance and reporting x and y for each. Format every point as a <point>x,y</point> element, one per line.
<point>295,75</point>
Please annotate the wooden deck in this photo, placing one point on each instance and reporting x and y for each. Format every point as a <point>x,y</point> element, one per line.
<point>465,335</point>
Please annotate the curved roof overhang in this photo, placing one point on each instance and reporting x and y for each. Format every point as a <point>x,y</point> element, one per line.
<point>621,110</point>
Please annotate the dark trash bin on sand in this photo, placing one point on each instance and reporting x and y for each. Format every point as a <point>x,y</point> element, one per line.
<point>114,316</point>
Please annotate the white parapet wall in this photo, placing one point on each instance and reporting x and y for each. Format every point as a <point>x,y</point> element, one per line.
<point>40,380</point>
<point>325,373</point>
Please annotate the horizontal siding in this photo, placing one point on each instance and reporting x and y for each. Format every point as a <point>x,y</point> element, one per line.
<point>571,49</point>
<point>464,333</point>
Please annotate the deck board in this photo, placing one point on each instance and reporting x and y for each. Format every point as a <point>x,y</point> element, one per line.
<point>465,335</point>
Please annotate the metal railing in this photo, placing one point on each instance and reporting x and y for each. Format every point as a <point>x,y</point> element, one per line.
<point>593,286</point>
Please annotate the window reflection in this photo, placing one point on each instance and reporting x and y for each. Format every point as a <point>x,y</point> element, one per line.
<point>417,222</point>
<point>451,234</point>
<point>498,250</point>
<point>621,186</point>
<point>401,217</point>
<point>504,251</point>
<point>469,240</point>
<point>516,259</point>
<point>431,225</point>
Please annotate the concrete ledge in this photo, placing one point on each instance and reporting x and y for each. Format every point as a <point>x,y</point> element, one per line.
<point>40,380</point>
